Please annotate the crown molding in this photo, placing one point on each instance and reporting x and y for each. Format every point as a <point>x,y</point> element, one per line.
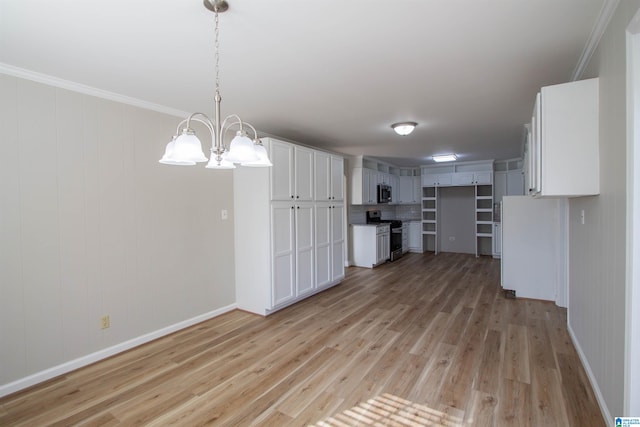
<point>600,26</point>
<point>87,90</point>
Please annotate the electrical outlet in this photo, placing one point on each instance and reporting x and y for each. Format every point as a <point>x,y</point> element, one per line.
<point>105,322</point>
<point>224,214</point>
<point>452,238</point>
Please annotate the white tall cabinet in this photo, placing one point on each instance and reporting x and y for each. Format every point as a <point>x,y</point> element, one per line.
<point>289,227</point>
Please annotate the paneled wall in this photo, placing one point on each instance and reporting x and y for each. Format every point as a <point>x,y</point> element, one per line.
<point>597,248</point>
<point>91,225</point>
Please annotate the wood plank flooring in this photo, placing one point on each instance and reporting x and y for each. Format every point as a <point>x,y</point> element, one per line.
<point>427,340</point>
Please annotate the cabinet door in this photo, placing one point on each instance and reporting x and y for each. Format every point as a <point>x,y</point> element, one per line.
<point>337,178</point>
<point>482,178</point>
<point>394,182</point>
<point>282,171</point>
<point>303,174</point>
<point>429,180</point>
<point>405,238</point>
<point>282,216</point>
<point>379,248</point>
<point>371,191</point>
<point>305,259</point>
<point>406,193</point>
<point>415,236</point>
<point>445,179</point>
<point>337,242</point>
<point>462,178</point>
<point>323,244</point>
<point>417,189</point>
<point>322,164</point>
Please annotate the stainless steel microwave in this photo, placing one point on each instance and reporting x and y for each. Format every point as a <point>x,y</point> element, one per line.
<point>384,193</point>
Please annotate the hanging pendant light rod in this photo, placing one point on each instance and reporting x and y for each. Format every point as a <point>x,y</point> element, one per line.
<point>186,149</point>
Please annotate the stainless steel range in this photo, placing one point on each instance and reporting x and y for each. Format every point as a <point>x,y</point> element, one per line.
<point>374,217</point>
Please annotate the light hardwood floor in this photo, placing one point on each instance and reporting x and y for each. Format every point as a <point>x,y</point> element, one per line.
<point>427,340</point>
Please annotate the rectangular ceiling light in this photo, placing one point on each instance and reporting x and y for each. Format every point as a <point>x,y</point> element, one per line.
<point>445,158</point>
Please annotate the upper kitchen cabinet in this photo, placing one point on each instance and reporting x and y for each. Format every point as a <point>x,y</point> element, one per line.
<point>329,171</point>
<point>458,174</point>
<point>292,174</point>
<point>367,173</point>
<point>436,179</point>
<point>562,156</point>
<point>364,184</point>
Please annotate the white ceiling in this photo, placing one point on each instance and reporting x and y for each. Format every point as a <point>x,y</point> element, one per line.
<point>330,74</point>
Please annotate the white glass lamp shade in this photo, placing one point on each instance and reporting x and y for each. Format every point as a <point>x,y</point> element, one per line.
<point>263,158</point>
<point>241,150</point>
<point>168,158</point>
<point>405,128</point>
<point>187,148</point>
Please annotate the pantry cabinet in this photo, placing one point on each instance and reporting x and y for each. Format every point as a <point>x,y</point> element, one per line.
<point>285,250</point>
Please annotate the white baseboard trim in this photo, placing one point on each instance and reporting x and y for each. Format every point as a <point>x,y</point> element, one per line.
<point>592,379</point>
<point>72,365</point>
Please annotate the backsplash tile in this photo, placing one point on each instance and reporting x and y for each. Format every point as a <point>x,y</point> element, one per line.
<point>401,212</point>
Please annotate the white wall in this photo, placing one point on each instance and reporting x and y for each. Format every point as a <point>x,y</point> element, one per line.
<point>91,224</point>
<point>597,248</point>
<point>456,213</point>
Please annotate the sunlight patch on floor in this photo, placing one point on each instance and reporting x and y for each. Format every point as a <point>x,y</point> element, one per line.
<point>389,410</point>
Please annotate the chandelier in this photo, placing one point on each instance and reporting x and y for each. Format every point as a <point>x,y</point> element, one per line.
<point>185,148</point>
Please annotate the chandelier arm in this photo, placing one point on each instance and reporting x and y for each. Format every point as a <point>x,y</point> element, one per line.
<point>225,126</point>
<point>205,120</point>
<point>255,134</point>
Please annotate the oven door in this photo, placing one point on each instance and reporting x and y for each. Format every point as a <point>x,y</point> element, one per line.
<point>395,244</point>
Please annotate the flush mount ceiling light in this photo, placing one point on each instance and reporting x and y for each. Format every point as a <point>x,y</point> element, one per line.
<point>404,128</point>
<point>186,149</point>
<point>445,158</point>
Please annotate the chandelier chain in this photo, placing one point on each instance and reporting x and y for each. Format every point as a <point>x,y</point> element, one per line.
<point>217,48</point>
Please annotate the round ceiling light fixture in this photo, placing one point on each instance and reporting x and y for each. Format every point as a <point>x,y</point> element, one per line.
<point>404,128</point>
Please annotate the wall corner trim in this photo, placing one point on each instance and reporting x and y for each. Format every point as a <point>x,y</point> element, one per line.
<point>80,362</point>
<point>87,90</point>
<point>600,26</point>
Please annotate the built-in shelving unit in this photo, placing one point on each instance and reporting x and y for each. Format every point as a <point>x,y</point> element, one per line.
<point>484,219</point>
<point>430,219</point>
<point>476,174</point>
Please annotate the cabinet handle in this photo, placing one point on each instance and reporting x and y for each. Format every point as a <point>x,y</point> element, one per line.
<point>298,207</point>
<point>292,207</point>
<point>292,196</point>
<point>297,197</point>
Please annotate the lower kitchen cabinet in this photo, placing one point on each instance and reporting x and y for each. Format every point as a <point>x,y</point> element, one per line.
<point>405,237</point>
<point>371,244</point>
<point>415,236</point>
